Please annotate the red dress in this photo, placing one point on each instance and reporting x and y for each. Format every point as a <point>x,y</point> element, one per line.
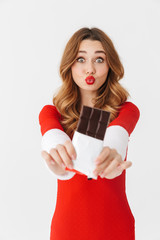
<point>92,209</point>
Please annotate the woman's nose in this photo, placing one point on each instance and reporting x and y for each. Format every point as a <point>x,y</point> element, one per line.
<point>90,68</point>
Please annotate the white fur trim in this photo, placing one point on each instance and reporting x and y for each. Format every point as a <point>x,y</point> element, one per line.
<point>53,137</point>
<point>87,150</point>
<point>117,137</point>
<point>50,140</point>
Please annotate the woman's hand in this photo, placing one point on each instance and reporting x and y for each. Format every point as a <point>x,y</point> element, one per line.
<point>60,157</point>
<point>109,164</point>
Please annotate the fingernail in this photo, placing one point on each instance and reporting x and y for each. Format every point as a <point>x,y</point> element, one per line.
<point>95,173</point>
<point>63,165</point>
<point>97,162</point>
<point>73,157</point>
<point>119,167</point>
<point>70,166</point>
<point>102,175</point>
<point>52,162</point>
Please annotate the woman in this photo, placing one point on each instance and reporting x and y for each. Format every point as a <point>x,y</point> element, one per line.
<point>97,209</point>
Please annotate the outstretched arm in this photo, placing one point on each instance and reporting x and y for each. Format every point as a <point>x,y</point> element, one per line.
<point>119,130</point>
<point>110,162</point>
<point>57,147</point>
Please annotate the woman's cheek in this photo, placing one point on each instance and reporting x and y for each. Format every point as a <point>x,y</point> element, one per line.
<point>76,70</point>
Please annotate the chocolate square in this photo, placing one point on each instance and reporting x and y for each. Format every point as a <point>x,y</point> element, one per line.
<point>93,122</point>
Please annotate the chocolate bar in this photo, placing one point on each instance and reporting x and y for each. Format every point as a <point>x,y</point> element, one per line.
<point>88,139</point>
<point>93,122</point>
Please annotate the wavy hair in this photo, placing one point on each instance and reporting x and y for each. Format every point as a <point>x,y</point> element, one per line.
<point>110,95</point>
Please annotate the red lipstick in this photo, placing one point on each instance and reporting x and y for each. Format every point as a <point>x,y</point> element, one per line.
<point>90,80</point>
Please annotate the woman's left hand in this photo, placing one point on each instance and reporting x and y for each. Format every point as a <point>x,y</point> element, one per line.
<point>109,164</point>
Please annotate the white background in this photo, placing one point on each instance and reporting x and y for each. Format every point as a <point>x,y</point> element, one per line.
<point>33,35</point>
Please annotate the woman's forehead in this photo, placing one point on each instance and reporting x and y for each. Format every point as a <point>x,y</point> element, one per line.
<point>91,45</point>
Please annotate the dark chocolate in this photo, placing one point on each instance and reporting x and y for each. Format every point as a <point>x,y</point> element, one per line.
<point>83,121</point>
<point>93,122</point>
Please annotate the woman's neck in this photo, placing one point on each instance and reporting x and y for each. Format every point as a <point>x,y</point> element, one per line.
<point>87,98</point>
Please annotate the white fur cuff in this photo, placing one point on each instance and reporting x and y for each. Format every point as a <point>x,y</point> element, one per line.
<point>50,140</point>
<point>117,137</point>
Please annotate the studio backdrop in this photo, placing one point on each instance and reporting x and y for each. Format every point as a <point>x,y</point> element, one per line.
<point>33,35</point>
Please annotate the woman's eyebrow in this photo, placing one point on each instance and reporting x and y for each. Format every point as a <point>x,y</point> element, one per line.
<point>82,51</point>
<point>100,51</point>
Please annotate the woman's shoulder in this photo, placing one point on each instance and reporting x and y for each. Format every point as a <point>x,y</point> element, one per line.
<point>49,118</point>
<point>128,116</point>
<point>49,111</point>
<point>130,107</point>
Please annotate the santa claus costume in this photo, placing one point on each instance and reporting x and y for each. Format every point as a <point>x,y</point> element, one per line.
<point>95,209</point>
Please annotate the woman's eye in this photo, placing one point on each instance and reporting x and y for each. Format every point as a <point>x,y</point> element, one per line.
<point>80,59</point>
<point>99,60</point>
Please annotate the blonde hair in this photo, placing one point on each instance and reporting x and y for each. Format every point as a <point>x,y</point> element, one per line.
<point>110,95</point>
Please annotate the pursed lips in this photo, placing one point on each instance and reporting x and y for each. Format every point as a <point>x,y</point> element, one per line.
<point>90,80</point>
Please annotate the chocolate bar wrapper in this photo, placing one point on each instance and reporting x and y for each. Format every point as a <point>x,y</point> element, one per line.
<point>87,150</point>
<point>88,139</point>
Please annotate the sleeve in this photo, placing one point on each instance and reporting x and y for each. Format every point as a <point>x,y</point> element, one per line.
<point>53,133</point>
<point>119,130</point>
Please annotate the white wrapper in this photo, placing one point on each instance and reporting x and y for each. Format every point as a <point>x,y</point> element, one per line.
<point>87,149</point>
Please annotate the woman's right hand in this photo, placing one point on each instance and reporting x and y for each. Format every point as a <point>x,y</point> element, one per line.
<point>60,157</point>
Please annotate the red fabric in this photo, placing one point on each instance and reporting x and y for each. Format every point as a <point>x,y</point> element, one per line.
<point>49,118</point>
<point>127,118</point>
<point>92,209</point>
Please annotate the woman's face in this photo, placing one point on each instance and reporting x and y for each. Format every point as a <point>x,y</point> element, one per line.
<point>90,69</point>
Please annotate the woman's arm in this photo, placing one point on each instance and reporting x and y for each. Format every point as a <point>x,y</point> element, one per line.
<point>110,162</point>
<point>119,130</point>
<point>56,144</point>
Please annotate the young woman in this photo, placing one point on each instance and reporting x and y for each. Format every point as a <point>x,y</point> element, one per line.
<point>98,209</point>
